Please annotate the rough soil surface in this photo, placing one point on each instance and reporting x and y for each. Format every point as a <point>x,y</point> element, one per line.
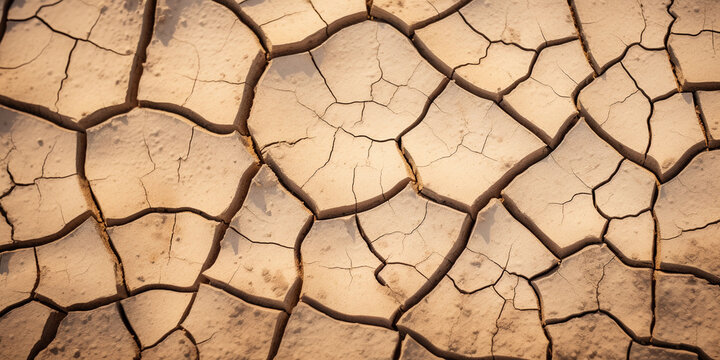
<point>349,179</point>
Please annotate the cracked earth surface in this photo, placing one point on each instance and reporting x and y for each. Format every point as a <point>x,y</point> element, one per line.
<point>341,179</point>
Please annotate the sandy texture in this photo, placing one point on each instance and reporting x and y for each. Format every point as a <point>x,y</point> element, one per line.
<point>190,63</point>
<point>310,334</point>
<point>163,249</point>
<point>555,194</point>
<point>79,268</point>
<point>545,100</point>
<point>148,159</point>
<point>350,179</point>
<point>98,333</point>
<point>223,325</point>
<point>483,142</point>
<point>18,276</point>
<point>336,153</point>
<point>257,253</point>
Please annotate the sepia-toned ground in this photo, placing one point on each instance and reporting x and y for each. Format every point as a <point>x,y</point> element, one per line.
<point>336,179</point>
